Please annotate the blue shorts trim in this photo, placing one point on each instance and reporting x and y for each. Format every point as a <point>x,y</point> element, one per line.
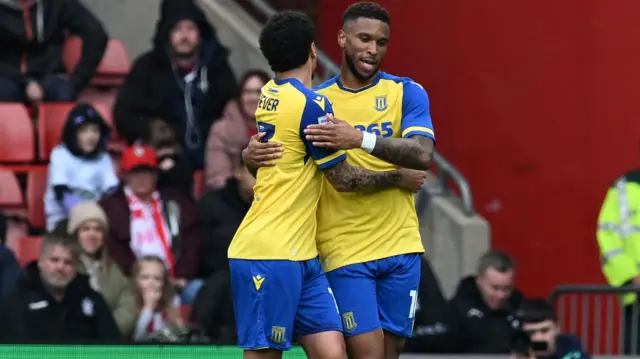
<point>276,301</point>
<point>378,294</point>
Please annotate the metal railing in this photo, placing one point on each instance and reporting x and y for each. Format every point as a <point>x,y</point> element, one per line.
<point>595,314</point>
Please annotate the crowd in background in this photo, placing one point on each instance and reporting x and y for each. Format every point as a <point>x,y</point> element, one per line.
<point>128,247</point>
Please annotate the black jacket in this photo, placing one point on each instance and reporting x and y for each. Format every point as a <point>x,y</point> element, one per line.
<point>569,346</point>
<point>43,49</point>
<point>31,314</point>
<point>476,329</point>
<point>431,329</point>
<point>213,309</point>
<point>220,213</point>
<point>154,89</point>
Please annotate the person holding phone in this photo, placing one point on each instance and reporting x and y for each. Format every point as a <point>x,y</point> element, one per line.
<point>540,323</point>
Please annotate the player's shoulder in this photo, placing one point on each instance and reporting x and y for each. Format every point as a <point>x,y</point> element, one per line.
<point>327,84</point>
<point>405,81</point>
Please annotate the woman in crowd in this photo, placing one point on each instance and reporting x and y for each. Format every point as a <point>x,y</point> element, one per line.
<point>155,297</point>
<point>230,135</point>
<point>80,169</point>
<point>88,224</point>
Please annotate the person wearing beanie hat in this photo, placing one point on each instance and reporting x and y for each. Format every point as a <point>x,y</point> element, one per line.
<point>185,80</point>
<point>87,223</point>
<point>80,168</point>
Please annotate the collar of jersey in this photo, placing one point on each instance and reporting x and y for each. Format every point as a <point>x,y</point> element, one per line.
<point>375,82</point>
<point>294,82</point>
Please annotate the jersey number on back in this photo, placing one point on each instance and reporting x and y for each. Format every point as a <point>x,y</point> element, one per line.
<point>379,129</point>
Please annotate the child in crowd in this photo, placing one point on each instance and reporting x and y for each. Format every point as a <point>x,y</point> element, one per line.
<point>80,168</point>
<point>156,299</point>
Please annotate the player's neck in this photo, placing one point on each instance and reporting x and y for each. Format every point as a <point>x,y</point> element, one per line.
<point>300,74</point>
<point>350,81</point>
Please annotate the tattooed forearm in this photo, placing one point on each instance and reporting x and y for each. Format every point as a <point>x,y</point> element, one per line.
<point>347,178</point>
<point>416,152</point>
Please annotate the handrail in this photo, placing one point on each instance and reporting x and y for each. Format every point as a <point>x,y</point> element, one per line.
<point>591,289</point>
<point>330,68</point>
<point>446,169</point>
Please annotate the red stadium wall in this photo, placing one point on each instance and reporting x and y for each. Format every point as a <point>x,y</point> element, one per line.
<point>535,101</point>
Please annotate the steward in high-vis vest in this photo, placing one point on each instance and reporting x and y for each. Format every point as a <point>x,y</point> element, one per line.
<point>619,240</point>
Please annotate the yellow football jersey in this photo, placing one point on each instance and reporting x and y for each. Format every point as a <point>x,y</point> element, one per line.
<point>356,227</point>
<point>281,223</point>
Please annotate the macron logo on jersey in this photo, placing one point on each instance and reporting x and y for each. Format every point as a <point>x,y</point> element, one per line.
<point>257,281</point>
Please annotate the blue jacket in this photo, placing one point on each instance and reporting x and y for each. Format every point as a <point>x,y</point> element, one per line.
<point>570,347</point>
<point>9,271</point>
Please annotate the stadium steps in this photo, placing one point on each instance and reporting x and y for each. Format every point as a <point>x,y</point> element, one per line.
<point>453,240</point>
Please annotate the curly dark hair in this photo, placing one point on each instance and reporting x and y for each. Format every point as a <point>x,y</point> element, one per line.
<point>285,40</point>
<point>368,10</point>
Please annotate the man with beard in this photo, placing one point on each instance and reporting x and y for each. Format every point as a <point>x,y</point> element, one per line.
<point>185,80</point>
<point>370,245</point>
<point>52,303</point>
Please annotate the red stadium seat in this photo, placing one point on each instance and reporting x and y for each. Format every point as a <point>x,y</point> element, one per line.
<point>10,192</point>
<point>36,187</point>
<point>16,134</point>
<point>52,119</point>
<point>113,68</point>
<point>29,249</point>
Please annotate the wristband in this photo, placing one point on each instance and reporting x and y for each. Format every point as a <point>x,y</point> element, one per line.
<point>368,141</point>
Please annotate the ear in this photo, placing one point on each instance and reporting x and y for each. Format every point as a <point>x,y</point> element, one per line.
<point>342,38</point>
<point>313,52</point>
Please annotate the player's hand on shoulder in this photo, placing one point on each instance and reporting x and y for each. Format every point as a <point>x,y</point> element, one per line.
<point>261,154</point>
<point>335,133</point>
<point>411,180</point>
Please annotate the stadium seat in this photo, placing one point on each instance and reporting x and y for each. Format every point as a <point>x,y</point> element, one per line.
<point>105,97</point>
<point>113,68</point>
<point>16,134</point>
<point>52,119</point>
<point>10,192</point>
<point>198,184</point>
<point>36,187</point>
<point>29,249</point>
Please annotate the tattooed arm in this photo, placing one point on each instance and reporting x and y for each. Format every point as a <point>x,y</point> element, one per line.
<point>346,178</point>
<point>414,152</point>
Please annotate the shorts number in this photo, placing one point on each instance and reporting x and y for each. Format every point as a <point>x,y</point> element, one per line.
<point>334,299</point>
<point>413,294</point>
<point>384,129</point>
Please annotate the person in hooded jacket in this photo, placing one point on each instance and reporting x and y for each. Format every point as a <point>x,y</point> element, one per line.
<point>80,168</point>
<point>483,307</point>
<point>32,37</point>
<point>185,79</point>
<point>53,303</point>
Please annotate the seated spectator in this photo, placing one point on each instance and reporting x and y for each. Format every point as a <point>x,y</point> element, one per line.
<point>52,303</point>
<point>540,322</point>
<point>213,310</point>
<point>155,298</point>
<point>431,329</point>
<point>230,135</point>
<point>220,213</point>
<point>144,221</point>
<point>88,225</point>
<point>9,268</point>
<point>80,168</point>
<point>185,79</point>
<point>33,36</point>
<point>175,170</point>
<point>484,305</point>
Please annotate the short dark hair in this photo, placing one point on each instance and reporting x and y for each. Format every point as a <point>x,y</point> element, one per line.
<point>63,240</point>
<point>498,260</point>
<point>536,310</point>
<point>285,40</point>
<point>368,10</point>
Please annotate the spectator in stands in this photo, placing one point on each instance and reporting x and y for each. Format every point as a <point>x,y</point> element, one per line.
<point>617,234</point>
<point>33,36</point>
<point>154,293</point>
<point>175,170</point>
<point>80,168</point>
<point>184,79</point>
<point>146,221</point>
<point>540,322</point>
<point>230,135</point>
<point>9,268</point>
<point>88,225</point>
<point>431,330</point>
<point>220,213</point>
<point>54,303</point>
<point>213,309</point>
<point>483,307</point>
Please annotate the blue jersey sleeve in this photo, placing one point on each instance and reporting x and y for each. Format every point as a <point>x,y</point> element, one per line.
<point>315,112</point>
<point>416,119</point>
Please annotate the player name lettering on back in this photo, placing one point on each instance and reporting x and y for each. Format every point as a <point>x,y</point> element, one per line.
<point>268,103</point>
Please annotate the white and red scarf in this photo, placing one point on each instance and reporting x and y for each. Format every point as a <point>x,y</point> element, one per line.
<point>150,235</point>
